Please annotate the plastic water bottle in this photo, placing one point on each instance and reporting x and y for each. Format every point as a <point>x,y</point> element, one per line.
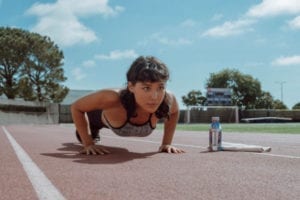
<point>215,135</point>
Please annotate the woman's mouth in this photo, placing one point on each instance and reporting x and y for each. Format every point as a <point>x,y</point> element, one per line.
<point>152,105</point>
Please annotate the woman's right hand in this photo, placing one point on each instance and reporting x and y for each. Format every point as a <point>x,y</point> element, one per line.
<point>94,150</point>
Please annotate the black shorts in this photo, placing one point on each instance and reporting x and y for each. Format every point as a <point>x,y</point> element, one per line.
<point>95,121</point>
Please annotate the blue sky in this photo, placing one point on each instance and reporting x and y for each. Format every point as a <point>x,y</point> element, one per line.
<point>101,38</point>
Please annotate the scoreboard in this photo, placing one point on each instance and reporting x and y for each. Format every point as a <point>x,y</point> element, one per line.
<point>219,96</point>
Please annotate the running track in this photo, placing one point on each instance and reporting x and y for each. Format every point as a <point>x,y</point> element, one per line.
<point>41,162</point>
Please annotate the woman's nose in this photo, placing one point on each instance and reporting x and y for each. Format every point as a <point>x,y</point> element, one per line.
<point>154,95</point>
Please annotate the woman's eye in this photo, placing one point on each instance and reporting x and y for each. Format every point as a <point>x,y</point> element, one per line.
<point>161,87</point>
<point>146,88</point>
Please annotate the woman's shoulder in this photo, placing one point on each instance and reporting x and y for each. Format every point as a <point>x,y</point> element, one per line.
<point>109,91</point>
<point>108,94</point>
<point>171,101</point>
<point>170,97</point>
<point>101,99</point>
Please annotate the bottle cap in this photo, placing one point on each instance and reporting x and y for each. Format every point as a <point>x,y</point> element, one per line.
<point>215,119</point>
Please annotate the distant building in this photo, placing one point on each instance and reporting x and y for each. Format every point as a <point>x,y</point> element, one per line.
<point>218,97</point>
<point>73,95</point>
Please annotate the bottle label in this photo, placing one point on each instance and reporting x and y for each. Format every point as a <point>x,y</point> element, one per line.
<point>215,135</point>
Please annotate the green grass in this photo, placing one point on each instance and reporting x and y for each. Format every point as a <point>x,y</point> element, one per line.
<point>286,128</point>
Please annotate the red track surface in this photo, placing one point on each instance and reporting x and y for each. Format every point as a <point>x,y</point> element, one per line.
<point>134,170</point>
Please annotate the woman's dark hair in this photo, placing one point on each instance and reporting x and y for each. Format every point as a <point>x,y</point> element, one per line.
<point>145,69</point>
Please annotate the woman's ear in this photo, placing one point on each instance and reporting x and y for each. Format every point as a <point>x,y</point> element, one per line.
<point>130,87</point>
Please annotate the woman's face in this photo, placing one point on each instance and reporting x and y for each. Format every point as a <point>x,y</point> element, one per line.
<point>148,95</point>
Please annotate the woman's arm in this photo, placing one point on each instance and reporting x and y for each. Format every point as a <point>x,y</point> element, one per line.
<point>99,100</point>
<point>170,126</point>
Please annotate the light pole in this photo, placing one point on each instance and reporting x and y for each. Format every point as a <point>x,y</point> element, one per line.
<point>281,89</point>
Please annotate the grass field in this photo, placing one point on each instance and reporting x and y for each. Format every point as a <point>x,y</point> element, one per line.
<point>287,128</point>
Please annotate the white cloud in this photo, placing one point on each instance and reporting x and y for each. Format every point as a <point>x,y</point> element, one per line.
<point>274,7</point>
<point>89,63</point>
<point>295,23</point>
<point>230,28</point>
<point>188,23</point>
<point>168,41</point>
<point>288,60</point>
<point>60,20</point>
<point>267,8</point>
<point>178,41</point>
<point>171,42</point>
<point>78,74</point>
<point>217,17</point>
<point>117,55</point>
<point>66,32</point>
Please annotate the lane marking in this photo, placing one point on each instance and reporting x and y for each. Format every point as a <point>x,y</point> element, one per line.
<point>278,155</point>
<point>41,184</point>
<point>194,146</point>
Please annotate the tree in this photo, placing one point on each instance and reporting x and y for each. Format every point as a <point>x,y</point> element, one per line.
<point>245,88</point>
<point>265,101</point>
<point>277,104</point>
<point>14,47</point>
<point>32,67</point>
<point>194,98</point>
<point>42,71</point>
<point>296,106</point>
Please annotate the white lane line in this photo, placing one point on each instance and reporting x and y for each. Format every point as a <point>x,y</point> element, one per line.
<point>193,146</point>
<point>278,155</point>
<point>42,185</point>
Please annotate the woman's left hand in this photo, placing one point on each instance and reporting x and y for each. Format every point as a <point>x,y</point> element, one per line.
<point>170,149</point>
